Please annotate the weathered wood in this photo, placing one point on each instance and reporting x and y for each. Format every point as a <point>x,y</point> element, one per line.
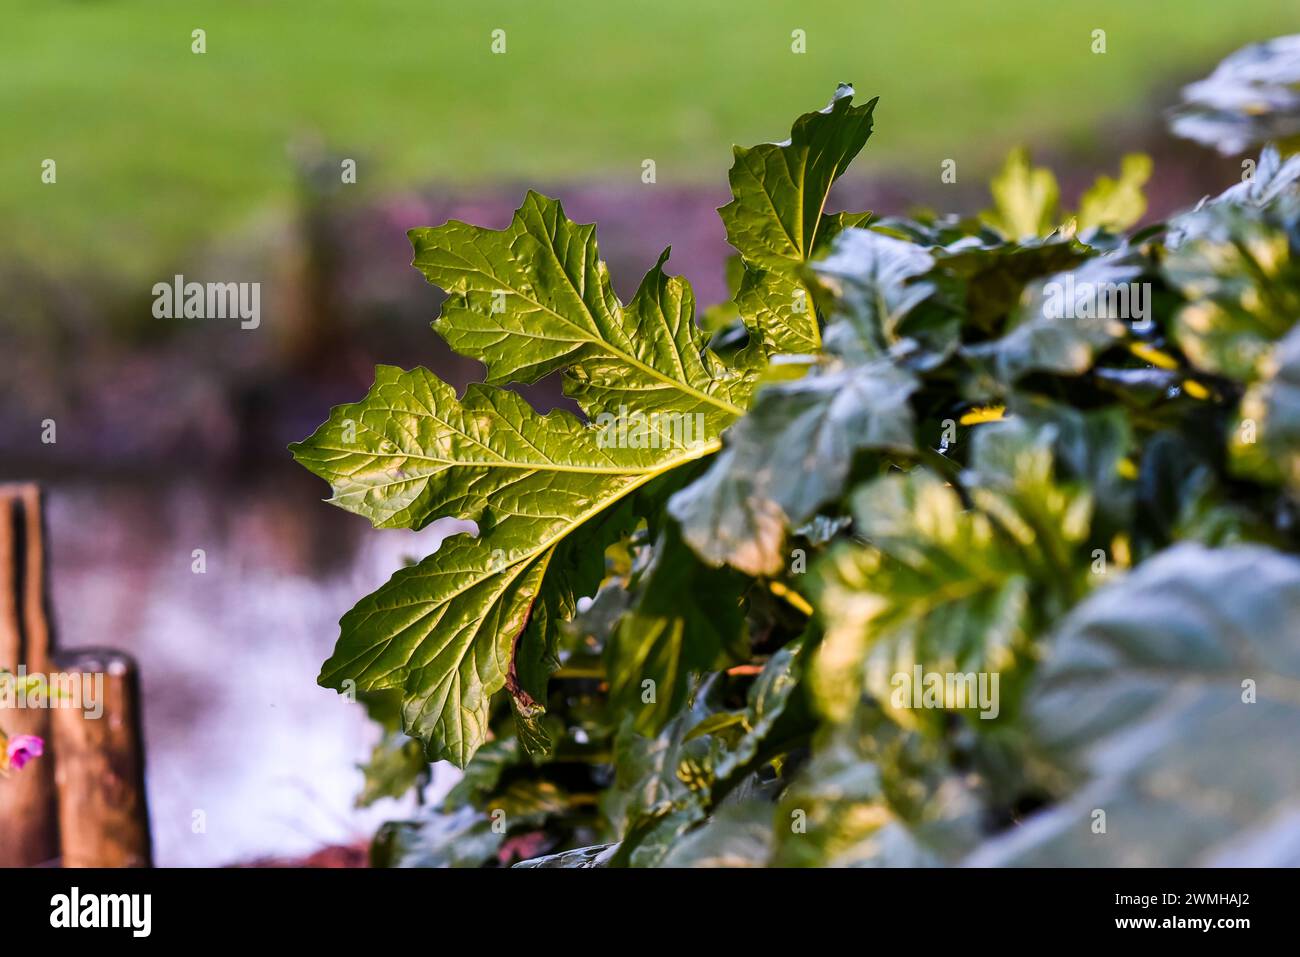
<point>103,811</point>
<point>38,637</point>
<point>28,808</point>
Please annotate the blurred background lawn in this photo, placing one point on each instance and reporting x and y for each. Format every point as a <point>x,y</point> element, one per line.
<point>159,148</point>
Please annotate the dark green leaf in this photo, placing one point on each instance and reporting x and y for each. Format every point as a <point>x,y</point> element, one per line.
<point>738,835</point>
<point>870,275</point>
<point>790,455</point>
<point>1238,270</point>
<point>1175,691</point>
<point>938,587</point>
<point>684,618</point>
<point>875,795</point>
<point>1067,320</point>
<point>1265,442</point>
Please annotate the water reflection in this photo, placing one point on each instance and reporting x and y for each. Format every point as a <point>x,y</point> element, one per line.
<point>238,734</point>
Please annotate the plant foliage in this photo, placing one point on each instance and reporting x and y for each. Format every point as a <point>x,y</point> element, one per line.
<point>1050,461</point>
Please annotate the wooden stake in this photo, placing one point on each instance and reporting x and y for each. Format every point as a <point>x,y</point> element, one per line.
<point>28,811</point>
<point>103,812</point>
<point>37,631</point>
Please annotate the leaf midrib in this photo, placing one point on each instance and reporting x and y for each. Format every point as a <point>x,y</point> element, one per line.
<point>547,466</point>
<point>523,563</point>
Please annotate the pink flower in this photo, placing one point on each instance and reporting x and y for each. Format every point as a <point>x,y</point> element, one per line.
<point>24,747</point>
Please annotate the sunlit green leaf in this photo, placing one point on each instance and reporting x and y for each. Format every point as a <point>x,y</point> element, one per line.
<point>1116,204</point>
<point>1025,199</point>
<point>1237,268</point>
<point>777,217</point>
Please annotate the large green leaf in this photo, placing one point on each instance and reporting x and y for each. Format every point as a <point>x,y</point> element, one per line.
<point>777,220</point>
<point>526,300</point>
<point>685,617</point>
<point>871,276</point>
<point>938,587</point>
<point>737,835</point>
<point>945,588</point>
<point>1251,97</point>
<point>876,795</point>
<point>445,629</point>
<point>792,453</point>
<point>1067,319</point>
<point>1025,199</point>
<point>1238,268</point>
<point>535,297</point>
<point>1176,691</point>
<point>1266,441</point>
<point>411,452</point>
<point>1116,204</point>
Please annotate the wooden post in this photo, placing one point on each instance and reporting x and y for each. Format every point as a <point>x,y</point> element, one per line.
<point>28,811</point>
<point>37,632</point>
<point>103,813</point>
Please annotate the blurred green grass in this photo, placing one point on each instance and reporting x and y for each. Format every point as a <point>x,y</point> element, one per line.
<point>159,149</point>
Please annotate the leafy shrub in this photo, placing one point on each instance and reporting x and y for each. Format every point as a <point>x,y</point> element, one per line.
<point>978,544</point>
